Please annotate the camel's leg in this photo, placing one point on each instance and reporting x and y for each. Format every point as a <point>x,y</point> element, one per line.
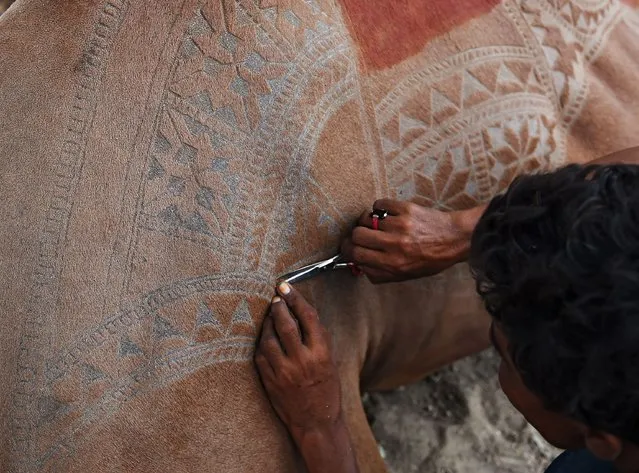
<point>403,347</point>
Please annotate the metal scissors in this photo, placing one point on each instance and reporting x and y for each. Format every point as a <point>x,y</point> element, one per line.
<point>312,270</point>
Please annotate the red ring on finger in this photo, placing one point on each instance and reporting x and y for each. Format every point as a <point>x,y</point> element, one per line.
<point>375,222</point>
<point>355,270</point>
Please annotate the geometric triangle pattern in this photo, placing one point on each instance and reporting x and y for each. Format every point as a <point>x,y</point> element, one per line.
<point>76,387</point>
<point>129,348</point>
<point>92,374</point>
<point>228,74</point>
<point>570,34</point>
<point>449,152</point>
<point>205,316</point>
<point>220,317</point>
<point>242,316</point>
<point>466,89</point>
<point>49,407</point>
<point>444,173</point>
<point>163,329</point>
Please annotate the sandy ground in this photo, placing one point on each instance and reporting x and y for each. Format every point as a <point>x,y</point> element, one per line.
<point>457,421</point>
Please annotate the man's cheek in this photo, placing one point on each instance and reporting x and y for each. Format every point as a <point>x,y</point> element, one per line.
<point>510,388</point>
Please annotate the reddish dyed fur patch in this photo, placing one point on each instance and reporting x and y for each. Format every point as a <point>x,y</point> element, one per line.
<point>389,31</point>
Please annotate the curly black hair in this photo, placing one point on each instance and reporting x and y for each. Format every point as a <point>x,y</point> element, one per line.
<point>556,260</point>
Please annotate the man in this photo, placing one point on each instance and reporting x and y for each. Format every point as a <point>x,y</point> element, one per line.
<point>556,259</point>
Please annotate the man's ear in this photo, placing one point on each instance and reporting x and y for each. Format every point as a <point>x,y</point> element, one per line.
<point>604,446</point>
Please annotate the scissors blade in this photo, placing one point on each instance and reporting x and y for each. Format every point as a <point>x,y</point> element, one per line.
<point>309,271</point>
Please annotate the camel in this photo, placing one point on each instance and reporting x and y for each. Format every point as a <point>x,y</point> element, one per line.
<point>162,163</point>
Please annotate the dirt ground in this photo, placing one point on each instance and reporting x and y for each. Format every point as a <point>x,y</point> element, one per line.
<point>457,421</point>
<point>4,4</point>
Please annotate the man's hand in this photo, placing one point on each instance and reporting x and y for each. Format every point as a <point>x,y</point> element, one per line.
<point>412,242</point>
<point>294,360</point>
<point>296,366</point>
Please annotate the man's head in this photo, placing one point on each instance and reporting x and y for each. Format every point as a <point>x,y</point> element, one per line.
<point>557,263</point>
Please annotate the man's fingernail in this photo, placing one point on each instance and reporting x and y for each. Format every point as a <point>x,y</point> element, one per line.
<point>284,288</point>
<point>275,300</point>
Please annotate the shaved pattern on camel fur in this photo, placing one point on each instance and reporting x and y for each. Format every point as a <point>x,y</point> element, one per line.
<point>164,163</point>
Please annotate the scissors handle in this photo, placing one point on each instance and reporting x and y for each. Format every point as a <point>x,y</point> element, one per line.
<point>343,265</point>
